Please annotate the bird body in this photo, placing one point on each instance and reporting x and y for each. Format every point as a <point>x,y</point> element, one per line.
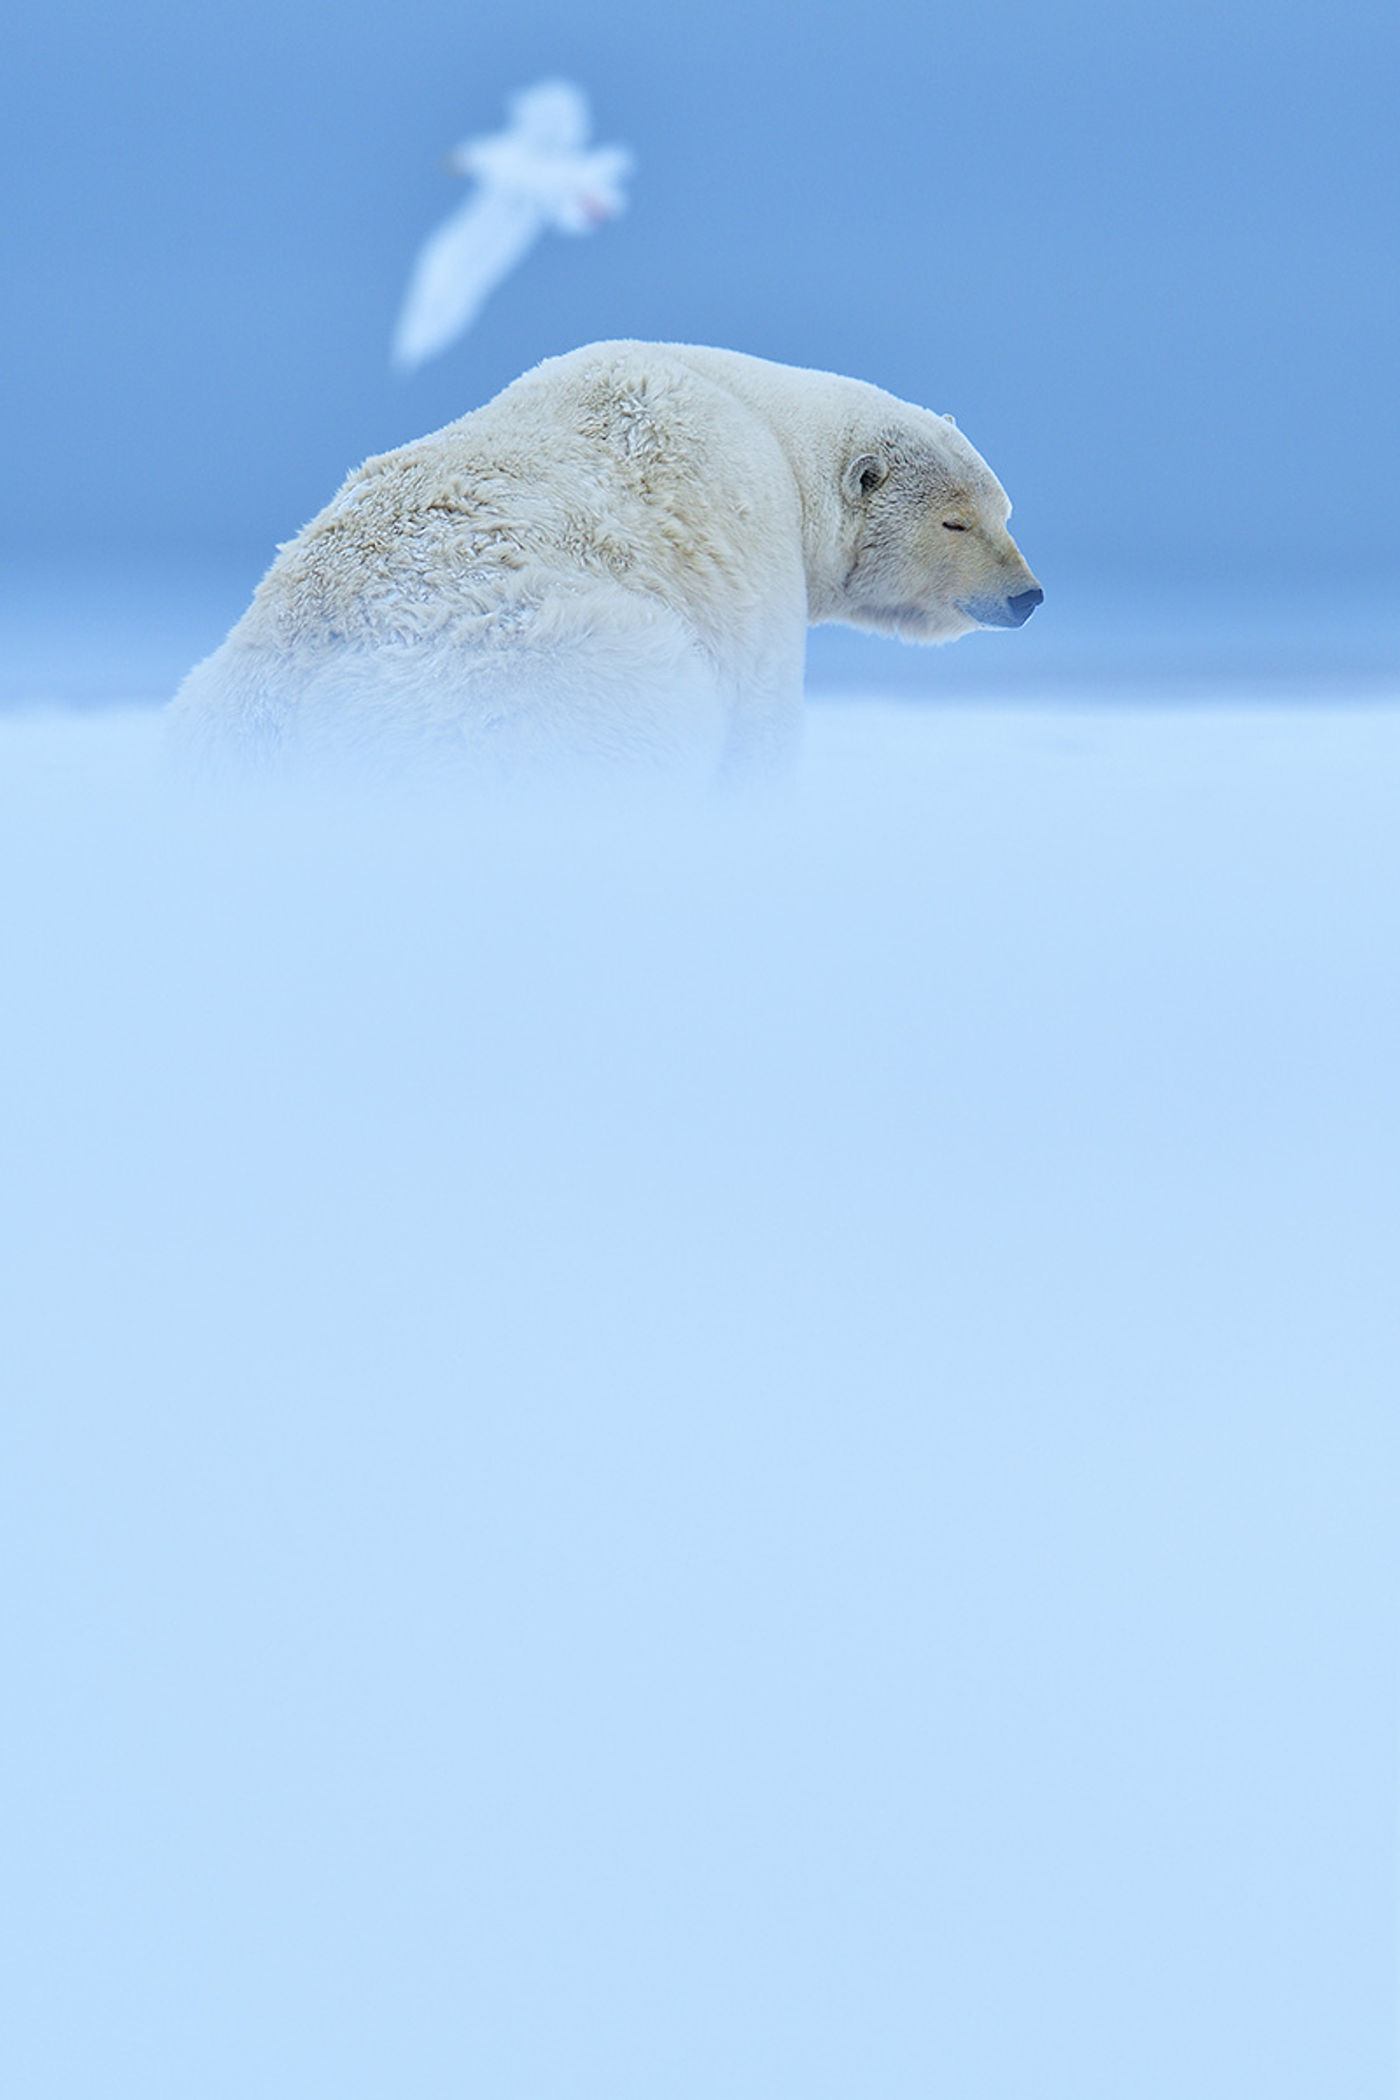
<point>537,174</point>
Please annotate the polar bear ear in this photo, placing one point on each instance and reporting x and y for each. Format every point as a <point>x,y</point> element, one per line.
<point>951,419</point>
<point>863,476</point>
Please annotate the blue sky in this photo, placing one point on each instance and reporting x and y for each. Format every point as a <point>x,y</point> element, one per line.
<point>1138,252</point>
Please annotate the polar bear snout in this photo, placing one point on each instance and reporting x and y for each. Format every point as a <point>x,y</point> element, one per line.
<point>1002,612</point>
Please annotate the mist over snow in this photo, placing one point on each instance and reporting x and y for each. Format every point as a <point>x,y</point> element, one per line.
<point>739,1451</point>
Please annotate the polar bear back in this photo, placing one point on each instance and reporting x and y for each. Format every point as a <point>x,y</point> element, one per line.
<point>605,465</point>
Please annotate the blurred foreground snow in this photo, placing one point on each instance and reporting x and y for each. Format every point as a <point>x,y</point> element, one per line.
<point>752,1455</point>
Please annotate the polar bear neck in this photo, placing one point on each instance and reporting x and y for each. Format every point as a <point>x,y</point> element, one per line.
<point>816,419</point>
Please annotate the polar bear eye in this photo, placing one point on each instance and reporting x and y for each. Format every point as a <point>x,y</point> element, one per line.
<point>950,525</point>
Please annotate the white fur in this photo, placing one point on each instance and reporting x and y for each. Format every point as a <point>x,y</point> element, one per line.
<point>615,560</point>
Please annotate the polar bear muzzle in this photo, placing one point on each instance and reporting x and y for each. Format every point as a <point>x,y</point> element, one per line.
<point>1002,612</point>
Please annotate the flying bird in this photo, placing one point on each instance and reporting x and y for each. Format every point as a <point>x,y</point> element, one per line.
<point>537,173</point>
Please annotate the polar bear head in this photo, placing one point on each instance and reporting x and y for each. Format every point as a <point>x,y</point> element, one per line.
<point>924,549</point>
<point>903,523</point>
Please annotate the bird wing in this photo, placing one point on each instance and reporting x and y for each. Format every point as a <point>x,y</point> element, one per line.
<point>552,116</point>
<point>586,189</point>
<point>457,269</point>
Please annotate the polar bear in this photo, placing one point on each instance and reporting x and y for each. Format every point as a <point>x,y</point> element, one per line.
<point>615,561</point>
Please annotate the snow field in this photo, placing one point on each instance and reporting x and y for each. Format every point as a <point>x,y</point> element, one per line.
<point>740,1452</point>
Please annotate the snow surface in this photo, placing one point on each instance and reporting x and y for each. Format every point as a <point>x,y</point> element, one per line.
<point>745,1453</point>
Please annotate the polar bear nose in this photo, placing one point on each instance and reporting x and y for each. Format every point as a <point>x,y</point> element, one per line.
<point>1023,605</point>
